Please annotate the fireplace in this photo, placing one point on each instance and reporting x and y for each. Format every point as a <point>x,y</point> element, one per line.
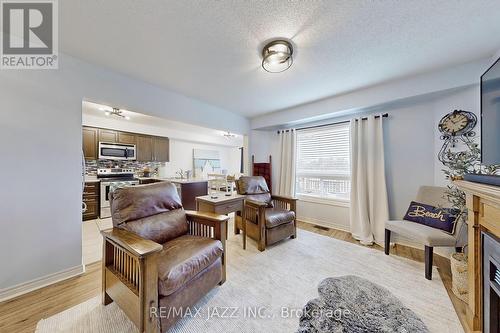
<point>491,283</point>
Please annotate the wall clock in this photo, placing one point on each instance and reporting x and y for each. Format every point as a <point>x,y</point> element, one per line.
<point>455,126</point>
<point>458,122</point>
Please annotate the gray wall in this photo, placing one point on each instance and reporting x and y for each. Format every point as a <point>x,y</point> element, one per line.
<point>411,143</point>
<point>40,128</point>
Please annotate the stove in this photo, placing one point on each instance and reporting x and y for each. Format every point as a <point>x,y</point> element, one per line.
<point>111,179</point>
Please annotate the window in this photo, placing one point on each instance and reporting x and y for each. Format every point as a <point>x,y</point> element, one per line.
<point>323,165</point>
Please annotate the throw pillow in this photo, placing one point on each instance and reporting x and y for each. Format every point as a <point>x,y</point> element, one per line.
<point>434,217</point>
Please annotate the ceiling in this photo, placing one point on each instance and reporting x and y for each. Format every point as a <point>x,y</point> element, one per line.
<point>170,127</point>
<point>210,50</point>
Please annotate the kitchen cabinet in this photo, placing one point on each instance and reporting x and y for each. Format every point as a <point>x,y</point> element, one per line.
<point>127,138</point>
<point>91,200</point>
<point>106,135</point>
<point>90,141</point>
<point>160,149</point>
<point>148,148</point>
<point>144,146</point>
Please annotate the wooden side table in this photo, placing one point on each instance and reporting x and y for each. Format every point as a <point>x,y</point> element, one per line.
<point>223,205</point>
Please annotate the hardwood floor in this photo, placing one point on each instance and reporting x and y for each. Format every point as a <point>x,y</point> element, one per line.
<point>22,313</point>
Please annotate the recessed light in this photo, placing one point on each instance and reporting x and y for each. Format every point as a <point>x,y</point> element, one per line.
<point>107,113</point>
<point>127,117</point>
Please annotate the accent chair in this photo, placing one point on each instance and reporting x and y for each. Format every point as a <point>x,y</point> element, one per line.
<point>429,237</point>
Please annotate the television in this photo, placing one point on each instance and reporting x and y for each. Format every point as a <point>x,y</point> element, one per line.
<point>490,115</point>
<point>490,124</point>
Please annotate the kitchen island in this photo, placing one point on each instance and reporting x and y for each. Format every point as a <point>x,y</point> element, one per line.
<point>188,189</point>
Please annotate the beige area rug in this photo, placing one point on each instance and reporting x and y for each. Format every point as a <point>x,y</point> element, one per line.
<point>265,291</point>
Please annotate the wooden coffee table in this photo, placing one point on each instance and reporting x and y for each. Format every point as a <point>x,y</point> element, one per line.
<point>223,205</point>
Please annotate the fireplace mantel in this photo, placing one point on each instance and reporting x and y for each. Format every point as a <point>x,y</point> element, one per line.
<point>483,204</point>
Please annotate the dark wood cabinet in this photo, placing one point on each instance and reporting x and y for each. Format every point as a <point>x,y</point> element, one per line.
<point>91,200</point>
<point>144,146</point>
<point>148,148</point>
<point>90,141</point>
<point>106,135</point>
<point>160,149</point>
<point>127,138</point>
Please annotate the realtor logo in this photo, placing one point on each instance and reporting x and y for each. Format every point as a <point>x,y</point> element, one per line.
<point>29,38</point>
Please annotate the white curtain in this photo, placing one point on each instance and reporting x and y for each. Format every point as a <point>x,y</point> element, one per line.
<point>288,148</point>
<point>368,207</point>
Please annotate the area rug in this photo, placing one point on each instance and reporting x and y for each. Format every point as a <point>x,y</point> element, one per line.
<point>352,304</point>
<point>266,291</point>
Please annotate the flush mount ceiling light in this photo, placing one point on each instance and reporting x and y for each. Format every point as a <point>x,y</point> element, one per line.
<point>115,112</point>
<point>277,56</point>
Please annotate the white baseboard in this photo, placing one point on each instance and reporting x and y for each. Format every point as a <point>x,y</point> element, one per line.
<point>41,282</point>
<point>322,223</point>
<point>395,238</point>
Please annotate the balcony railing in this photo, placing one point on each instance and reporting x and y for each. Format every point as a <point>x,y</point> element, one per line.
<point>334,187</point>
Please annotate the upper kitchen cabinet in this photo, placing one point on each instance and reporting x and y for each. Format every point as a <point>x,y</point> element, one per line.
<point>127,138</point>
<point>161,149</point>
<point>106,135</point>
<point>148,148</point>
<point>90,141</point>
<point>144,146</point>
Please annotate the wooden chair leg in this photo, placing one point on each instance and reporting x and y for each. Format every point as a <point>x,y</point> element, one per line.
<point>387,241</point>
<point>428,262</point>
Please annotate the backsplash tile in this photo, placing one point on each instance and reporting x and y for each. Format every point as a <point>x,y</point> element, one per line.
<point>91,166</point>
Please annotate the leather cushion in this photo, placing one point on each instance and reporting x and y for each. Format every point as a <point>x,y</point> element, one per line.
<point>278,216</point>
<point>183,258</point>
<point>136,202</point>
<point>160,228</point>
<point>252,185</point>
<point>263,197</point>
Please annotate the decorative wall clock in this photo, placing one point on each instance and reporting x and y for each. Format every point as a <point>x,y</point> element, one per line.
<point>458,122</point>
<point>455,126</point>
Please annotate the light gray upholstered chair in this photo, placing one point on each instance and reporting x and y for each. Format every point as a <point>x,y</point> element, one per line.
<point>430,237</point>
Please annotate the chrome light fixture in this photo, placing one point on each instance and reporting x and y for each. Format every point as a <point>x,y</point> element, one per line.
<point>115,112</point>
<point>277,56</point>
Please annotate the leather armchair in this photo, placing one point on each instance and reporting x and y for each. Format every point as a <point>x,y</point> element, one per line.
<point>267,218</point>
<point>159,257</point>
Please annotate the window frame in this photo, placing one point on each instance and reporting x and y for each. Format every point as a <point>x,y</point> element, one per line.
<point>321,199</point>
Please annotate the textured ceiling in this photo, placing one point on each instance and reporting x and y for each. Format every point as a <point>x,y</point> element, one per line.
<point>210,50</point>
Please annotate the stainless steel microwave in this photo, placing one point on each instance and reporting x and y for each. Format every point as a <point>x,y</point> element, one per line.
<point>117,151</point>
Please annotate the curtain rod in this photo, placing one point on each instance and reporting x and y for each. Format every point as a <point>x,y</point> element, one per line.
<point>384,115</point>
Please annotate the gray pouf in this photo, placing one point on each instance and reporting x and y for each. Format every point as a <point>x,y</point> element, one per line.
<point>350,304</point>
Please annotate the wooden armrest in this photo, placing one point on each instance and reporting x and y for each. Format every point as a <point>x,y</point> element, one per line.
<point>133,243</point>
<point>255,204</point>
<point>283,198</point>
<point>207,216</point>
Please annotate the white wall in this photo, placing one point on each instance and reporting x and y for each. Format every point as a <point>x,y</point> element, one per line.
<point>411,142</point>
<point>381,94</point>
<point>40,127</point>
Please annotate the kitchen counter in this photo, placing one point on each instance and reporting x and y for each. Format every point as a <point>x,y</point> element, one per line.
<point>175,180</point>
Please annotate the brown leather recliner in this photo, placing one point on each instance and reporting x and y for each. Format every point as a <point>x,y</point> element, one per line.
<point>158,258</point>
<point>267,218</point>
